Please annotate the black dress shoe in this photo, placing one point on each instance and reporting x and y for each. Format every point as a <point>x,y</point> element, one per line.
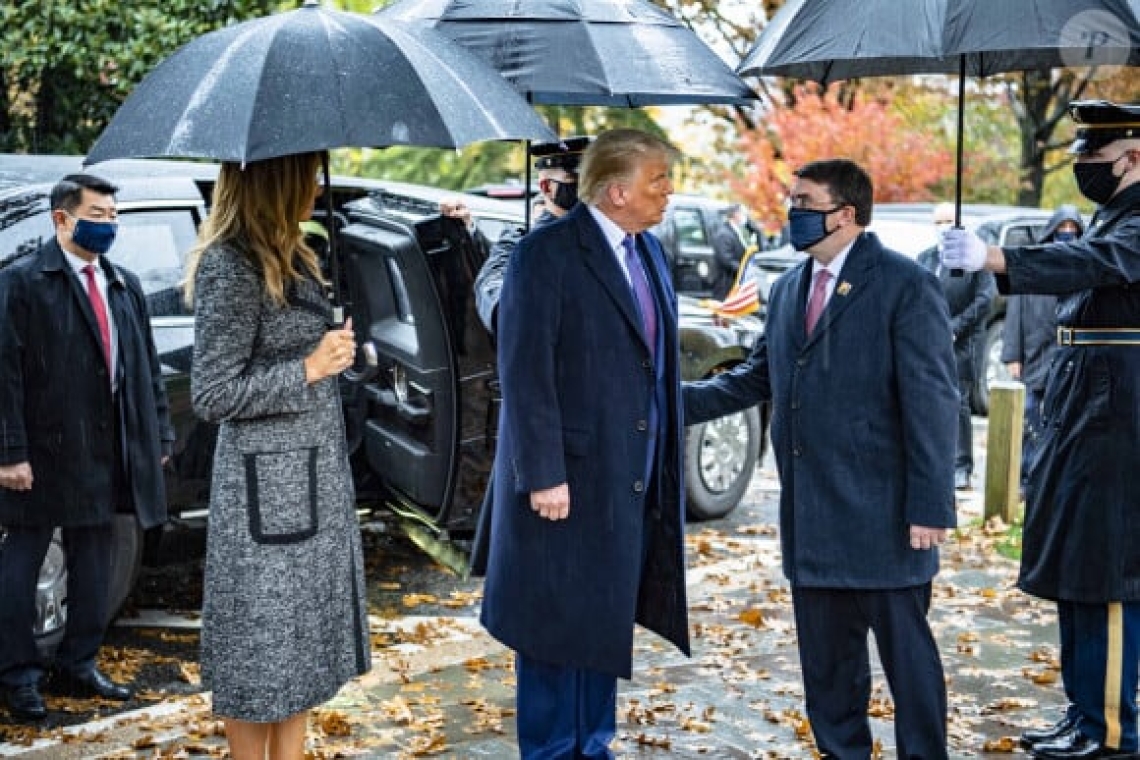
<point>1076,746</point>
<point>1031,736</point>
<point>87,686</point>
<point>24,702</point>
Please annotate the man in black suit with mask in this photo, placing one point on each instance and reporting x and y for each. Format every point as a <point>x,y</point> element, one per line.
<point>84,432</point>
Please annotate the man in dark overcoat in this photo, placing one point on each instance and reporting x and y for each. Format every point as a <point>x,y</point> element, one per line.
<point>728,243</point>
<point>587,525</point>
<point>84,429</point>
<point>969,297</point>
<point>1082,516</point>
<point>856,360</point>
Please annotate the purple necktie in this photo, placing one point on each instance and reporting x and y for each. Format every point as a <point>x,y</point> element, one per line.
<point>640,283</point>
<point>818,299</point>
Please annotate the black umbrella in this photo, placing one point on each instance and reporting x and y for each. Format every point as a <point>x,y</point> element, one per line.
<point>314,79</point>
<point>584,52</point>
<point>846,39</point>
<point>624,53</point>
<point>310,80</point>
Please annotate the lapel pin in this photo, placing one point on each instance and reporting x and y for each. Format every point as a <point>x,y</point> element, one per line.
<point>844,288</point>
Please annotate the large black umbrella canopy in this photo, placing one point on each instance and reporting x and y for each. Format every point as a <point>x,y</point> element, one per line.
<point>314,79</point>
<point>846,39</point>
<point>584,52</point>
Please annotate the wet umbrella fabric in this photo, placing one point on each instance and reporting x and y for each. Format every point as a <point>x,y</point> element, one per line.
<point>314,79</point>
<point>846,39</point>
<point>625,53</point>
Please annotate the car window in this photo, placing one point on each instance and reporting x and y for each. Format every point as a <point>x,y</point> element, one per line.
<point>153,244</point>
<point>1022,234</point>
<point>688,228</point>
<point>25,224</point>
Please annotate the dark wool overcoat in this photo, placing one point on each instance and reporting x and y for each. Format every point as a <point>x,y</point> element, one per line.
<point>56,408</point>
<point>577,380</point>
<point>1082,517</point>
<point>864,419</point>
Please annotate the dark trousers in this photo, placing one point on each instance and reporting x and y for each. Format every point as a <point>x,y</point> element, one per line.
<point>564,713</point>
<point>964,459</point>
<point>1104,670</point>
<point>832,627</point>
<point>88,552</point>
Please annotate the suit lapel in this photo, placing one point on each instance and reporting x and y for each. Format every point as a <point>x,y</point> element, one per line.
<point>602,263</point>
<point>850,286</point>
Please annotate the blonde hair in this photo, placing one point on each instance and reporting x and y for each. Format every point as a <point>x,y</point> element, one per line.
<point>258,209</point>
<point>614,157</point>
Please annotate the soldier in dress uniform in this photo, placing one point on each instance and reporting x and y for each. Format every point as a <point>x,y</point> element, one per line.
<point>1083,503</point>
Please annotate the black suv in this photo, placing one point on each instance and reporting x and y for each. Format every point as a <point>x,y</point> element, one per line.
<point>422,421</point>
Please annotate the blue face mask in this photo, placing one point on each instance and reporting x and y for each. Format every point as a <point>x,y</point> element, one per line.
<point>1065,237</point>
<point>96,237</point>
<point>808,226</point>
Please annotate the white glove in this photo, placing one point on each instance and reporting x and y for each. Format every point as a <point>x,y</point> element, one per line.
<point>962,249</point>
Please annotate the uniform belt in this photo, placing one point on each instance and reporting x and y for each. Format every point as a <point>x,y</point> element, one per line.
<point>1101,336</point>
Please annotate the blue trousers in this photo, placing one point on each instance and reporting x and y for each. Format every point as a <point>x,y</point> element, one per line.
<point>1103,672</point>
<point>564,713</point>
<point>832,626</point>
<point>88,581</point>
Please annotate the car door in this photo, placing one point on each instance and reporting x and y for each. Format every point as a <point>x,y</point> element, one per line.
<point>425,420</point>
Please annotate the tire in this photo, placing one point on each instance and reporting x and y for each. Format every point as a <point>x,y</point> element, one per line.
<point>720,457</point>
<point>991,366</point>
<point>51,588</point>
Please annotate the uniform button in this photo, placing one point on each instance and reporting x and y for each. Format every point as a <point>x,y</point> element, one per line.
<point>642,425</point>
<point>797,452</point>
<point>638,486</point>
<point>801,362</point>
<point>795,405</point>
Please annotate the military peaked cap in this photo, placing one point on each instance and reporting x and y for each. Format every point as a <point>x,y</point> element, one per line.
<point>1100,122</point>
<point>563,154</point>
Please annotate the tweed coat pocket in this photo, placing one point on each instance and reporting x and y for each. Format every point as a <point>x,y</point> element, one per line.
<point>281,489</point>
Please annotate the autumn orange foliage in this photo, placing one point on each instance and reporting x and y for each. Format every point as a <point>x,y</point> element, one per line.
<point>903,162</point>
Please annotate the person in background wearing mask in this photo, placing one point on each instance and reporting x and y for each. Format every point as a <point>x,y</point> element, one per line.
<point>1030,335</point>
<point>557,165</point>
<point>84,434</point>
<point>969,297</point>
<point>730,241</point>
<point>1080,546</point>
<point>856,360</point>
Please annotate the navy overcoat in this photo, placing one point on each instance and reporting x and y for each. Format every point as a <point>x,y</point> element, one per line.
<point>56,410</point>
<point>577,379</point>
<point>864,419</point>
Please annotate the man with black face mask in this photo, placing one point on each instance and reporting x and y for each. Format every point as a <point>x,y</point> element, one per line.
<point>84,432</point>
<point>1080,546</point>
<point>557,165</point>
<point>857,361</point>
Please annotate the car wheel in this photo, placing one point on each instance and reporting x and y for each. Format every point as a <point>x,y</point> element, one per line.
<point>720,457</point>
<point>51,587</point>
<point>992,367</point>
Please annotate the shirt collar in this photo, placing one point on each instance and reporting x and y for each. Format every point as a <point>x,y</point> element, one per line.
<point>610,230</point>
<point>836,265</point>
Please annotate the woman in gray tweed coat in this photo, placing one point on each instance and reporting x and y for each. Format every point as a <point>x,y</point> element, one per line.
<point>284,621</point>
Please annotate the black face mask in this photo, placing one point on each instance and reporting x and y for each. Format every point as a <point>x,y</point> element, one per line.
<point>566,194</point>
<point>1096,180</point>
